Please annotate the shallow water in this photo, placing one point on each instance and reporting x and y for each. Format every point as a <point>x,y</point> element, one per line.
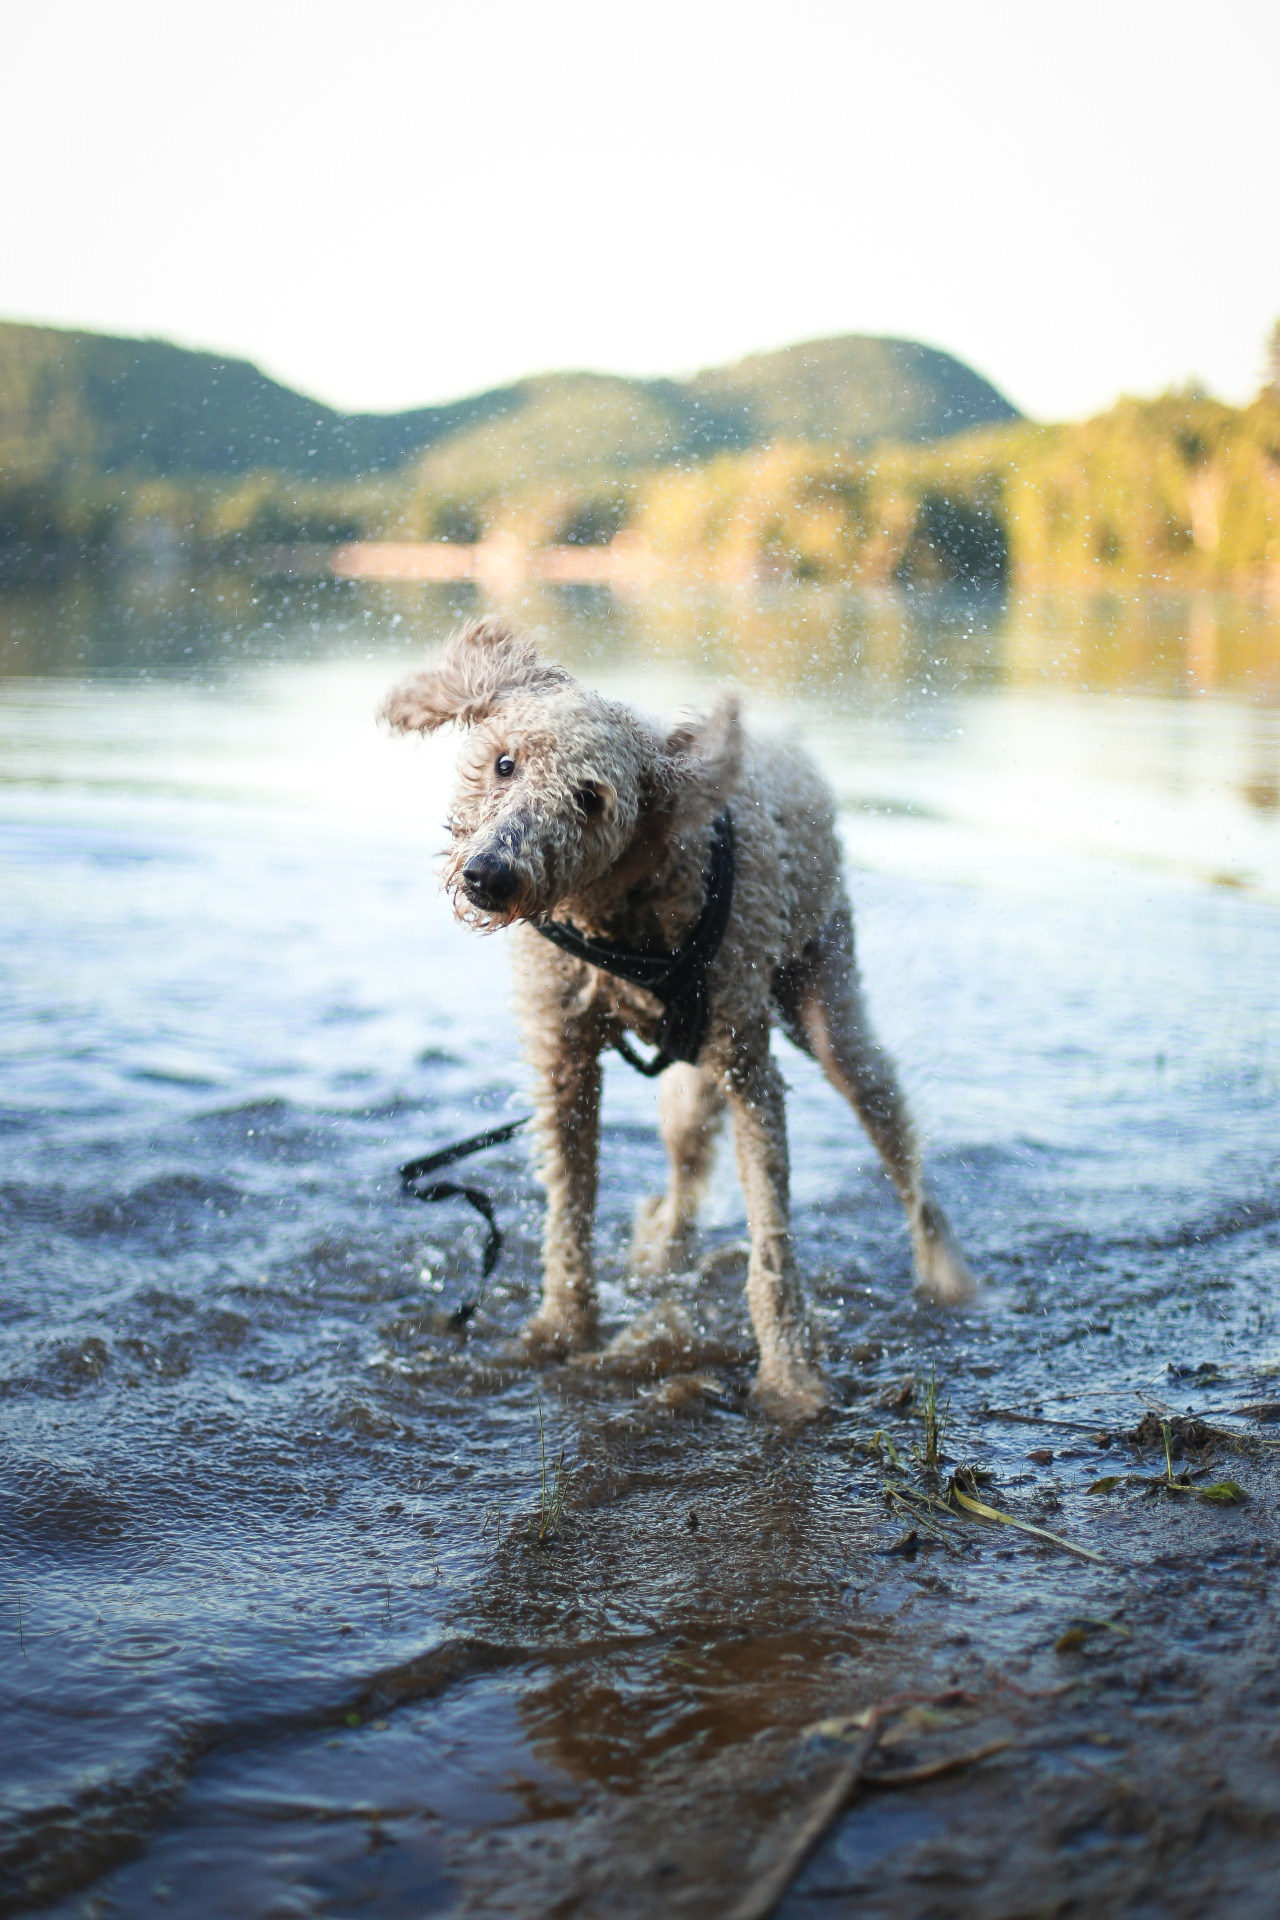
<point>276,1632</point>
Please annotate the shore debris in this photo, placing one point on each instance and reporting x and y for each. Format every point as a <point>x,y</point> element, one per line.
<point>971,1504</point>
<point>854,1777</point>
<point>551,1512</point>
<point>1078,1632</point>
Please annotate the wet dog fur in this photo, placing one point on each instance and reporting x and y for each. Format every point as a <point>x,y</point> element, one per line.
<point>571,805</point>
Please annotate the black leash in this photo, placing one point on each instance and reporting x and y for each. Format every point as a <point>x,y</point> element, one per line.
<point>415,1170</point>
<point>677,976</point>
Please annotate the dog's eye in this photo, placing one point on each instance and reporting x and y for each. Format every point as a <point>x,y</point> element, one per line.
<point>504,766</point>
<point>589,801</point>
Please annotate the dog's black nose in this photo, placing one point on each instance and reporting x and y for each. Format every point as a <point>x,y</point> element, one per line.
<point>488,881</point>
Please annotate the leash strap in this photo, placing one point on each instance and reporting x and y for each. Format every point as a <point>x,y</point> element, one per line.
<point>413,1171</point>
<point>676,976</point>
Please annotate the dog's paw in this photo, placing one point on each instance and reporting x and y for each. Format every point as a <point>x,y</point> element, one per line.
<point>942,1272</point>
<point>728,1262</point>
<point>790,1392</point>
<point>554,1336</point>
<point>659,1245</point>
<point>664,1340</point>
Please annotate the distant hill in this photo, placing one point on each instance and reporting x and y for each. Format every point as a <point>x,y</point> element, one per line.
<point>579,427</point>
<point>92,402</point>
<point>854,390</point>
<point>83,403</point>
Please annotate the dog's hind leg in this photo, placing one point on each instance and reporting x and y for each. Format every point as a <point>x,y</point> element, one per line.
<point>820,1001</point>
<point>690,1108</point>
<point>789,1383</point>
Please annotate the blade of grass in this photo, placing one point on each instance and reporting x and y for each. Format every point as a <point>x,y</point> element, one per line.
<point>919,1518</point>
<point>922,1498</point>
<point>935,1426</point>
<point>985,1512</point>
<point>882,1444</point>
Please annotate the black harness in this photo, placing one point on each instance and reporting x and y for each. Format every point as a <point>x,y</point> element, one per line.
<point>677,976</point>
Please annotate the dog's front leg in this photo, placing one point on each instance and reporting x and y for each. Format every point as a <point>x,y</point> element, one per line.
<point>790,1383</point>
<point>567,1102</point>
<point>563,1041</point>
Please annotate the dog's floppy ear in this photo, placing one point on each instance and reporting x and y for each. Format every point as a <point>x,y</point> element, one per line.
<point>478,666</point>
<point>704,758</point>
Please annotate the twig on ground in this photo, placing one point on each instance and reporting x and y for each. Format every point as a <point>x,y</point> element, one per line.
<point>761,1899</point>
<point>937,1769</point>
<point>1036,1420</point>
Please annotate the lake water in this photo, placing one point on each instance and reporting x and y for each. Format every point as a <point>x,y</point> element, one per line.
<point>277,1635</point>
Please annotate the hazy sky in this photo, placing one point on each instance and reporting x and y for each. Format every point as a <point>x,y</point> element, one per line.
<point>396,203</point>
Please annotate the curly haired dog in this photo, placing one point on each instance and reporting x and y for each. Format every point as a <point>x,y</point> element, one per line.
<point>572,805</point>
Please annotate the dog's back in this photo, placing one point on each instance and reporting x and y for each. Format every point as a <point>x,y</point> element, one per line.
<point>788,881</point>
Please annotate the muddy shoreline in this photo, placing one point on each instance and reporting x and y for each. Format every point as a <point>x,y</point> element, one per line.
<point>714,1596</point>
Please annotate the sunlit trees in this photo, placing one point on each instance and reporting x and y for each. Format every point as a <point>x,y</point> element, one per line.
<point>1175,491</point>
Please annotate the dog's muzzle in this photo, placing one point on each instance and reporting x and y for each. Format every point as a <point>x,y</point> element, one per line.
<point>488,882</point>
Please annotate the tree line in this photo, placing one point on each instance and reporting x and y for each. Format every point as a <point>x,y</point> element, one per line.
<point>1180,489</point>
